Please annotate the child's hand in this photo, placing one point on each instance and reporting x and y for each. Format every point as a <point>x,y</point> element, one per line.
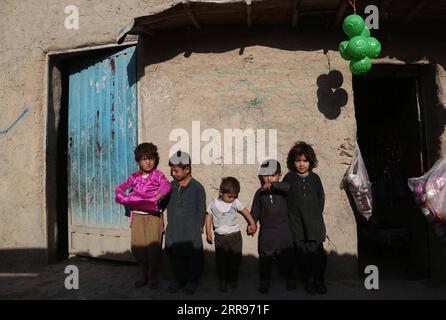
<point>162,229</point>
<point>267,186</point>
<point>209,238</point>
<point>252,229</point>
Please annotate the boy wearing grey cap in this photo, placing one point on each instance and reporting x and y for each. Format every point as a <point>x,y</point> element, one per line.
<point>269,207</point>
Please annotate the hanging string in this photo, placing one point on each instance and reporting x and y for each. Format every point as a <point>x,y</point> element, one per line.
<point>353,4</point>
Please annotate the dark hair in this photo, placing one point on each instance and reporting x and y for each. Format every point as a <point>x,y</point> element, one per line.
<point>148,150</point>
<point>270,167</point>
<point>229,185</point>
<point>301,148</point>
<point>180,159</point>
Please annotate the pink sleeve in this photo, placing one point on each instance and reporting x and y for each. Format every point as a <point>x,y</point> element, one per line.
<point>164,184</point>
<point>122,188</point>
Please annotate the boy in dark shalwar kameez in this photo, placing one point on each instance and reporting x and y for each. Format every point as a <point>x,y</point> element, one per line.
<point>269,206</point>
<point>186,211</point>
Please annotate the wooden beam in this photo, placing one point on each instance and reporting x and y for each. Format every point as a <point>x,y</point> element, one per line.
<point>248,13</point>
<point>189,12</point>
<point>343,5</point>
<point>147,32</point>
<point>295,16</point>
<point>414,11</point>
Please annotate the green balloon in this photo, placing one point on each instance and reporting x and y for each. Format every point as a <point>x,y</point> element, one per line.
<point>353,25</point>
<point>343,51</point>
<point>357,47</point>
<point>362,66</point>
<point>365,32</point>
<point>374,48</point>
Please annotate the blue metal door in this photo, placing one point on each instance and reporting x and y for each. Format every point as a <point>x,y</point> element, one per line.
<point>102,134</point>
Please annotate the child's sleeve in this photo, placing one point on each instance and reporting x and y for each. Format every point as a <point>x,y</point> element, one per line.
<point>282,187</point>
<point>162,205</point>
<point>201,204</point>
<point>209,210</point>
<point>321,194</point>
<point>122,188</point>
<point>239,205</point>
<point>256,207</point>
<point>165,185</point>
<point>287,178</point>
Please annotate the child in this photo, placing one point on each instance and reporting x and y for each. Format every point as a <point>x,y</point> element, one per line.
<point>186,212</point>
<point>222,214</point>
<point>149,186</point>
<point>275,239</point>
<point>306,201</point>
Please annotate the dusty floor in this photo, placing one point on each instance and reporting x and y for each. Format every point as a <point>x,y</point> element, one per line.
<point>100,279</point>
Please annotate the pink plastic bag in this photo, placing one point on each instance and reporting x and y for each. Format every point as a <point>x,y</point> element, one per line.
<point>359,184</point>
<point>429,191</point>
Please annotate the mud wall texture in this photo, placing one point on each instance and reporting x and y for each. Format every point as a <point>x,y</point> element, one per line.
<point>267,78</point>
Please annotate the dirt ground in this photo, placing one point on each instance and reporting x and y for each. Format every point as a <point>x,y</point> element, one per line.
<point>99,279</point>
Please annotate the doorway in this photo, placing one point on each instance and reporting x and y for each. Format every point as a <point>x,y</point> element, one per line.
<point>390,132</point>
<point>91,134</point>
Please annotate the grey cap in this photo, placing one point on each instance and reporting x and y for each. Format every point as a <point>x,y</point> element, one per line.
<point>180,158</point>
<point>269,167</point>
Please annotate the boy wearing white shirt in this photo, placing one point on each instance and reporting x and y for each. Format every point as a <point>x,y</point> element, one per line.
<point>222,214</point>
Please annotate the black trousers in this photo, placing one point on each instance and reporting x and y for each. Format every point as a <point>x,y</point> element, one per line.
<point>312,259</point>
<point>228,253</point>
<point>186,268</point>
<point>285,259</point>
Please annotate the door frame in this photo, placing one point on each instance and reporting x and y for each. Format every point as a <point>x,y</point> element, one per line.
<point>55,65</point>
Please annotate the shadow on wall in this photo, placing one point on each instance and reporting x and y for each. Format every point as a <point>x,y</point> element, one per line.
<point>331,97</point>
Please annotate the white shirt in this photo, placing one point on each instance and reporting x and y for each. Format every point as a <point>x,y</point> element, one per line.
<point>226,207</point>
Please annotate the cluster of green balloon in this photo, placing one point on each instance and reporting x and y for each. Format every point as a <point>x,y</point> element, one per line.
<point>361,47</point>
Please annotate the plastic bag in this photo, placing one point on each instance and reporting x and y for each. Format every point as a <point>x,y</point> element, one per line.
<point>359,184</point>
<point>429,191</point>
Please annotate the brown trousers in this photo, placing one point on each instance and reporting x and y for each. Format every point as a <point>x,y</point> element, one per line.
<point>146,237</point>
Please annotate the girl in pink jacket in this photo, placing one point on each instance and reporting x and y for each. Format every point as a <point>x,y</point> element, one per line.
<point>148,186</point>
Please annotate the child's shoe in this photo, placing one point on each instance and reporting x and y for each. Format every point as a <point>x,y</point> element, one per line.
<point>310,286</point>
<point>291,285</point>
<point>223,286</point>
<point>140,282</point>
<point>264,287</point>
<point>190,288</point>
<point>320,287</point>
<point>174,287</point>
<point>153,285</point>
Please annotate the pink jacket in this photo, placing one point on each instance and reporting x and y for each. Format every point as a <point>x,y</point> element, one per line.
<point>143,195</point>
